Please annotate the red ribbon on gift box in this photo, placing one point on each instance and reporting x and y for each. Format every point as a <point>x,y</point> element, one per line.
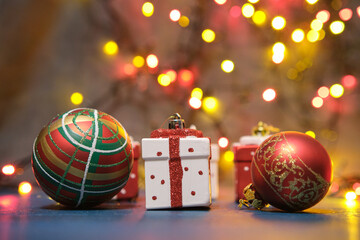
<point>175,168</point>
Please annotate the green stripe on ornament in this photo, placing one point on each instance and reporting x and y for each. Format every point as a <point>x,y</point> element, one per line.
<point>52,194</point>
<point>53,174</point>
<point>63,178</point>
<point>101,137</point>
<point>110,146</point>
<point>81,113</point>
<point>73,184</point>
<point>69,182</point>
<point>105,187</point>
<point>76,137</point>
<point>78,160</point>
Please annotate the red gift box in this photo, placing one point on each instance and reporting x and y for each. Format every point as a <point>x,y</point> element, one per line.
<point>131,189</point>
<point>243,155</point>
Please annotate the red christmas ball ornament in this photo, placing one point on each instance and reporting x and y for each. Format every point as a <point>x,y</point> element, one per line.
<point>291,171</point>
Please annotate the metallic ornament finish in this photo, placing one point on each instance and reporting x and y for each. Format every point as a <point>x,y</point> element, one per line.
<point>292,171</point>
<point>82,158</point>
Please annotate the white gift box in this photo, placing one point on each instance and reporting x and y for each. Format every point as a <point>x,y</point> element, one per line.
<point>177,171</point>
<point>214,170</point>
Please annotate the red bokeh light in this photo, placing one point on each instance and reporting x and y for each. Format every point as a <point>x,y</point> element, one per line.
<point>323,92</point>
<point>129,69</point>
<point>349,81</point>
<point>8,169</point>
<point>235,11</point>
<point>334,187</point>
<point>323,16</point>
<point>345,14</point>
<point>356,185</point>
<point>186,77</point>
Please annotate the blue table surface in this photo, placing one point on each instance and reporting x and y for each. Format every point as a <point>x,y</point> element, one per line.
<point>35,216</point>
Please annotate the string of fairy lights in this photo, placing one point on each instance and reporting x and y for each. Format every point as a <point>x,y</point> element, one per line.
<point>324,23</point>
<point>248,10</point>
<point>315,31</point>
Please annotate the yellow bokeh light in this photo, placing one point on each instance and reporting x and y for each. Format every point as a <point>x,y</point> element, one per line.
<point>278,23</point>
<point>298,35</point>
<point>148,9</point>
<point>227,66</point>
<point>76,98</point>
<point>311,2</point>
<point>259,17</point>
<point>253,1</point>
<point>351,204</point>
<point>247,10</point>
<point>278,58</point>
<point>195,103</point>
<point>321,34</point>
<point>110,48</point>
<point>184,21</point>
<point>278,48</point>
<point>317,102</point>
<point>300,66</point>
<point>316,25</point>
<point>312,36</point>
<point>310,133</point>
<point>229,156</point>
<point>337,27</point>
<point>220,2</point>
<point>208,35</point>
<point>197,93</point>
<point>269,95</point>
<point>292,73</point>
<point>172,74</point>
<point>223,142</point>
<point>336,90</point>
<point>350,196</point>
<point>24,188</point>
<point>164,80</point>
<point>152,61</point>
<point>138,61</point>
<point>210,104</point>
<point>357,191</point>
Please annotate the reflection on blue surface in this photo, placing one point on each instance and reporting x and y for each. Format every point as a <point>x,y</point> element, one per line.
<point>38,217</point>
<point>353,220</point>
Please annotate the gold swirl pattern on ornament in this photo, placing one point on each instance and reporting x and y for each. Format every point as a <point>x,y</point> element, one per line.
<point>287,176</point>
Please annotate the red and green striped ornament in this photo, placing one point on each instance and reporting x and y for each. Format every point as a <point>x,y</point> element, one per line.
<point>82,158</point>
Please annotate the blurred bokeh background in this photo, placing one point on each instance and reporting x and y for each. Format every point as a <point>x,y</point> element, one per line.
<point>224,65</point>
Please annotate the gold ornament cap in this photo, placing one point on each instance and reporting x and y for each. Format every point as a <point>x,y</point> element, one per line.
<point>176,122</point>
<point>263,129</point>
